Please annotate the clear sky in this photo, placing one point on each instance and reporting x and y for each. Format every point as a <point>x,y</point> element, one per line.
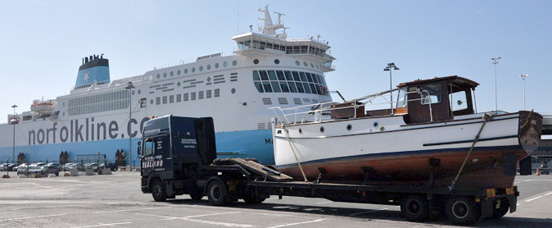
<point>42,42</point>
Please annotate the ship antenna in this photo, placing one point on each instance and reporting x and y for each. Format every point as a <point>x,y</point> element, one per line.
<point>238,15</point>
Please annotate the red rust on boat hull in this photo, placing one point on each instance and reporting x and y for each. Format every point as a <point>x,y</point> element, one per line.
<point>483,169</point>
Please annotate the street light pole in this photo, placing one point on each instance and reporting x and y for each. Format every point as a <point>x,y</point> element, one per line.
<point>495,61</point>
<point>390,67</point>
<point>13,122</point>
<point>523,76</point>
<point>129,87</point>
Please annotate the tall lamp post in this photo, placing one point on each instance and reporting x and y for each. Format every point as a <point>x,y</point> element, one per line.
<point>495,61</point>
<point>13,122</point>
<point>523,76</point>
<point>129,87</point>
<point>390,67</point>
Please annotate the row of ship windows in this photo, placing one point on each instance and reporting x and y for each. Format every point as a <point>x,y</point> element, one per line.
<point>284,101</point>
<point>98,103</point>
<point>99,98</point>
<point>278,81</point>
<point>98,107</point>
<point>302,49</point>
<point>193,69</point>
<point>186,97</point>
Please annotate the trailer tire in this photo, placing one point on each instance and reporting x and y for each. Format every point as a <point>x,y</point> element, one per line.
<point>415,208</point>
<point>462,210</point>
<point>158,191</point>
<point>196,194</point>
<point>252,198</point>
<point>501,210</point>
<point>218,193</point>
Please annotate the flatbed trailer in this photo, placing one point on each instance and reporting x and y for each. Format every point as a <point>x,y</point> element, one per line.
<point>177,162</point>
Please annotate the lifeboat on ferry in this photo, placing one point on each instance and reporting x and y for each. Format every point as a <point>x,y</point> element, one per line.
<point>42,107</point>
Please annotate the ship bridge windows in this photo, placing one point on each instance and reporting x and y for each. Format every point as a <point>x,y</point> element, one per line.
<point>276,81</point>
<point>310,48</point>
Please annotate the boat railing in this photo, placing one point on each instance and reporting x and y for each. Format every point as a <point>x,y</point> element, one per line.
<point>325,111</point>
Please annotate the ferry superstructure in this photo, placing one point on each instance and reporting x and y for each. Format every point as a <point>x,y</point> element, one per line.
<point>267,70</point>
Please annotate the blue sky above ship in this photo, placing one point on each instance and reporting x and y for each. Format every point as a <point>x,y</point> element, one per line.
<point>43,44</point>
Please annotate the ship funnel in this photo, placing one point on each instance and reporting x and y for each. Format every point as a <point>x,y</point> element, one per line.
<point>94,70</point>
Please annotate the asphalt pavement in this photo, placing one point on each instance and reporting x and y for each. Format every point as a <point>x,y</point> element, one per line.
<point>116,201</point>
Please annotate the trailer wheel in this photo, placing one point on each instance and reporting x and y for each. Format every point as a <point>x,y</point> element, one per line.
<point>196,194</point>
<point>462,210</point>
<point>252,198</point>
<point>217,193</point>
<point>414,208</point>
<point>500,209</point>
<point>158,191</point>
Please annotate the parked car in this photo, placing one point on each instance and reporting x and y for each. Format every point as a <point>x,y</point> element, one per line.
<point>26,169</point>
<point>58,166</point>
<point>92,166</point>
<point>7,166</point>
<point>69,166</point>
<point>50,168</point>
<point>109,165</point>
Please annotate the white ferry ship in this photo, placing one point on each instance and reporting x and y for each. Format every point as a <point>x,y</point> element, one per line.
<point>99,115</point>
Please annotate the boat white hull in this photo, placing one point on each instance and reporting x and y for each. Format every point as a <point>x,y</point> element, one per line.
<point>386,149</point>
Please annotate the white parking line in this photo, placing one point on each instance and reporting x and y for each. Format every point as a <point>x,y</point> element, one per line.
<point>324,202</point>
<point>217,223</point>
<point>298,223</point>
<point>529,200</point>
<point>547,194</point>
<point>33,217</point>
<point>204,215</point>
<point>137,209</point>
<point>190,218</point>
<point>104,224</point>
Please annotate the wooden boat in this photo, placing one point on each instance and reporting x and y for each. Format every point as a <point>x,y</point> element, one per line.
<point>425,139</point>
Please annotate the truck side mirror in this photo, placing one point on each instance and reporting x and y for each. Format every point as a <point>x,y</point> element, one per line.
<point>139,148</point>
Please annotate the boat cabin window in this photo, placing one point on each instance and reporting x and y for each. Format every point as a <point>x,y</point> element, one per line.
<point>458,101</point>
<point>402,98</point>
<point>431,94</point>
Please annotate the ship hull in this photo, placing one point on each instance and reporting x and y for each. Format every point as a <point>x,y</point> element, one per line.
<point>244,144</point>
<point>401,153</point>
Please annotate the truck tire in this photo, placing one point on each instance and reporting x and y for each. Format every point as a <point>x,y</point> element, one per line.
<point>218,193</point>
<point>502,209</point>
<point>462,210</point>
<point>158,191</point>
<point>415,208</point>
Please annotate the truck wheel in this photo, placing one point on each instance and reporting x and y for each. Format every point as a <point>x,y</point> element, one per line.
<point>196,194</point>
<point>414,208</point>
<point>217,193</point>
<point>158,191</point>
<point>462,210</point>
<point>500,209</point>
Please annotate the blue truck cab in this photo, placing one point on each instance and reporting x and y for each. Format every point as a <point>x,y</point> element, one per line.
<point>173,149</point>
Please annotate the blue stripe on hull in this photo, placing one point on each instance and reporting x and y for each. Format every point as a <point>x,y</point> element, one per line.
<point>245,144</point>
